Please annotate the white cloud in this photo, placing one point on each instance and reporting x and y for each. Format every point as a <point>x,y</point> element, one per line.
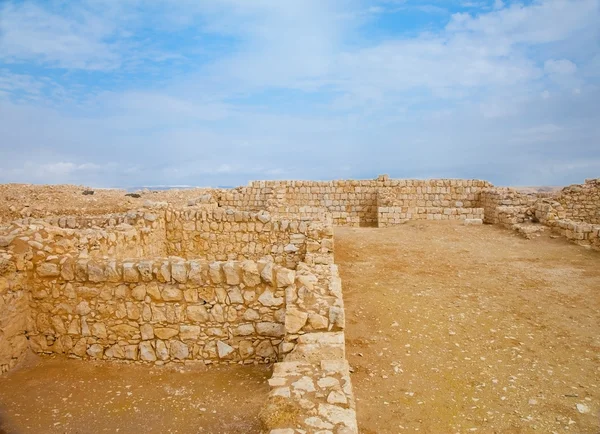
<point>300,90</point>
<point>562,66</point>
<point>29,32</point>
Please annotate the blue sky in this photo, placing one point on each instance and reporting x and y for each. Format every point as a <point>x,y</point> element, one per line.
<point>219,92</point>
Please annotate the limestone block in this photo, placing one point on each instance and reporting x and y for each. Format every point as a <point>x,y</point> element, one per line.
<point>130,273</point>
<point>99,330</point>
<point>179,272</point>
<point>171,293</point>
<point>197,313</point>
<point>244,330</point>
<point>245,349</point>
<point>235,296</point>
<point>270,329</point>
<point>232,273</point>
<point>95,351</point>
<point>162,352</point>
<point>189,332</point>
<point>47,269</point>
<point>284,277</point>
<point>147,331</point>
<point>267,298</point>
<point>147,352</point>
<point>250,274</point>
<point>224,350</point>
<point>265,350</point>
<point>165,332</point>
<point>295,320</point>
<point>179,350</point>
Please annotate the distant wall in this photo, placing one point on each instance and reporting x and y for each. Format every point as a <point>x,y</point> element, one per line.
<point>353,202</point>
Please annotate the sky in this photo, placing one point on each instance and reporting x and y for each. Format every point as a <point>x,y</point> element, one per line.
<point>123,93</point>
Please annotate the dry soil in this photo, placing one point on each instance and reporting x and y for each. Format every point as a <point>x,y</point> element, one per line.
<point>58,395</point>
<point>27,200</point>
<point>459,329</point>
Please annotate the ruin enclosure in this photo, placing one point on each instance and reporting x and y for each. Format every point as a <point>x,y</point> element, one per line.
<point>245,276</point>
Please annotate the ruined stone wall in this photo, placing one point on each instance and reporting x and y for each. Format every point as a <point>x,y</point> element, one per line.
<point>135,234</point>
<point>356,202</point>
<point>437,199</point>
<point>159,310</point>
<point>581,202</point>
<point>14,313</point>
<point>437,193</point>
<point>254,197</point>
<point>225,234</point>
<point>551,213</point>
<point>506,206</point>
<point>312,385</point>
<point>350,203</point>
<point>391,216</point>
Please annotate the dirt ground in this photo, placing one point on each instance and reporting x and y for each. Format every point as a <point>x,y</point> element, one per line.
<point>459,329</point>
<point>58,395</point>
<point>27,200</point>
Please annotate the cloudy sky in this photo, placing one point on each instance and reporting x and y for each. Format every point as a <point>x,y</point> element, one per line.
<point>218,92</point>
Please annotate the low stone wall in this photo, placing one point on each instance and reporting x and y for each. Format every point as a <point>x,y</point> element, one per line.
<point>581,202</point>
<point>14,313</point>
<point>311,398</point>
<point>390,216</point>
<point>135,234</point>
<point>506,206</point>
<point>160,310</point>
<point>225,234</point>
<point>311,390</point>
<point>255,197</point>
<point>581,233</point>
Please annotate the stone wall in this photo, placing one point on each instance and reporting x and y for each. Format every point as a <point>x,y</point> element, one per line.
<point>506,206</point>
<point>254,197</point>
<point>391,216</point>
<point>159,310</point>
<point>581,202</point>
<point>135,234</point>
<point>353,202</point>
<point>226,234</point>
<point>551,213</point>
<point>311,389</point>
<point>14,313</point>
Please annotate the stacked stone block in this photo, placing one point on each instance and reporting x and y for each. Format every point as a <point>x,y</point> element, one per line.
<point>506,206</point>
<point>14,313</point>
<point>225,234</point>
<point>160,310</point>
<point>581,202</point>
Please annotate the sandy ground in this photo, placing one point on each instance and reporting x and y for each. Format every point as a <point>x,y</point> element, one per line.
<point>460,329</point>
<point>58,395</point>
<point>18,200</point>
